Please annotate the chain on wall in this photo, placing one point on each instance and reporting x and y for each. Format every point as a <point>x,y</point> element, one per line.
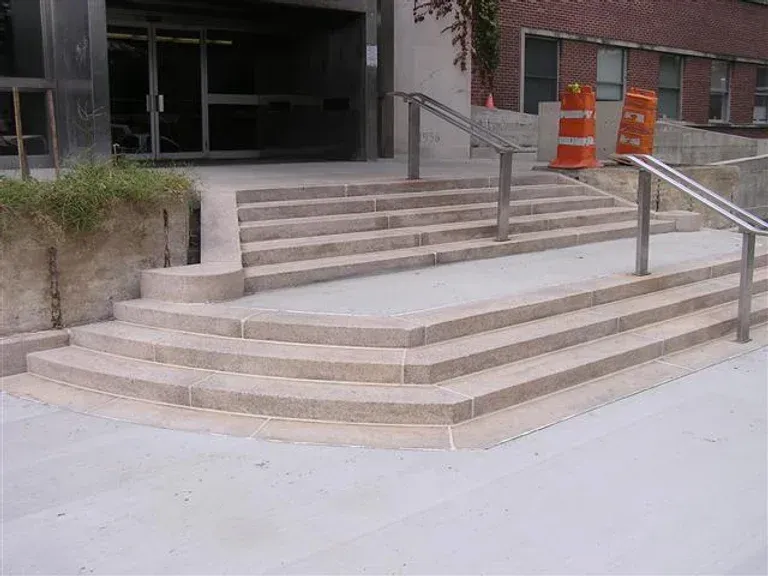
<point>474,30</point>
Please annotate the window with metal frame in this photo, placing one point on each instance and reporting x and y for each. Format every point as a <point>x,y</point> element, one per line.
<point>761,96</point>
<point>540,82</point>
<point>720,91</point>
<point>611,72</point>
<point>670,81</point>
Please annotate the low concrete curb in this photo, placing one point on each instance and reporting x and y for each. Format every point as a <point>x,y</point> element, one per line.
<point>14,349</point>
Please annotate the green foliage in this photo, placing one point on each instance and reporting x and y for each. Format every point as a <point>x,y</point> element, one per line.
<point>480,18</point>
<point>83,196</point>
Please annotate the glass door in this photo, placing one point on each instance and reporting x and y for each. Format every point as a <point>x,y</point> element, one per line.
<point>130,90</point>
<point>178,130</point>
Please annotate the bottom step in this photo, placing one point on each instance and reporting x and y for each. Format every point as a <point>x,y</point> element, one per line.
<point>449,403</point>
<point>483,432</point>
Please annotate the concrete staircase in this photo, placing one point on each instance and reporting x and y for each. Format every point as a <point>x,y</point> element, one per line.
<point>299,236</point>
<point>438,368</point>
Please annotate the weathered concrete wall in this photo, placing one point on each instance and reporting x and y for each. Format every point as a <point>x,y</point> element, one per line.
<point>622,181</point>
<point>753,183</point>
<point>424,63</point>
<point>94,270</point>
<point>518,128</point>
<point>674,143</point>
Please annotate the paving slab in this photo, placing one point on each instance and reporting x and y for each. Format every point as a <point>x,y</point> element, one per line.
<point>670,481</point>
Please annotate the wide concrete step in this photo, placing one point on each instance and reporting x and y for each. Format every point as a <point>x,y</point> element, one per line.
<point>441,361</point>
<point>427,364</point>
<point>276,397</point>
<point>264,358</point>
<point>505,386</point>
<point>295,249</point>
<point>273,276</point>
<point>391,202</point>
<point>347,223</point>
<point>456,400</point>
<point>392,187</point>
<point>425,326</point>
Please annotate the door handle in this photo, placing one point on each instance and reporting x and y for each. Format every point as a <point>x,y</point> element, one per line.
<point>160,103</point>
<point>148,102</point>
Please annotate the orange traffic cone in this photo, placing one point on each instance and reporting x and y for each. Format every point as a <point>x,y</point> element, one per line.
<point>489,102</point>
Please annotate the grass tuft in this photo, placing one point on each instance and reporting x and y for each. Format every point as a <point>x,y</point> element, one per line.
<point>79,201</point>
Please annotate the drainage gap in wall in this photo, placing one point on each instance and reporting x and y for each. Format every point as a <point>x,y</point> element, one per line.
<point>193,250</point>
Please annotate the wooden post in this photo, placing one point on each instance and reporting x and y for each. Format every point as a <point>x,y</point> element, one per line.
<point>53,129</point>
<point>23,161</point>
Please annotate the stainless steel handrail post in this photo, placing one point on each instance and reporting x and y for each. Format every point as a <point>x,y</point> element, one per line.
<point>505,187</point>
<point>745,286</point>
<point>643,222</point>
<point>414,140</point>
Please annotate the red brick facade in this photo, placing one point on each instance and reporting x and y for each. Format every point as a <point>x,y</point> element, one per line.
<point>727,29</point>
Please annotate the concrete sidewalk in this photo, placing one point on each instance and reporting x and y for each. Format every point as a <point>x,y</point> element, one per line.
<point>671,481</point>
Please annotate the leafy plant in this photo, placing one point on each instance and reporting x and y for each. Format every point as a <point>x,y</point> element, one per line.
<point>79,200</point>
<point>474,29</point>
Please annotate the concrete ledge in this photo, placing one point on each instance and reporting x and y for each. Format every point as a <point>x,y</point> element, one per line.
<point>14,349</point>
<point>684,220</point>
<point>208,282</point>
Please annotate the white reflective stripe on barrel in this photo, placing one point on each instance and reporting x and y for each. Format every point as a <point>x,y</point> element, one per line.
<point>577,114</point>
<point>627,140</point>
<point>571,141</point>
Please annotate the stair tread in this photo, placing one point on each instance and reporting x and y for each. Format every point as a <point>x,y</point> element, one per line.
<point>412,211</point>
<point>517,373</point>
<point>418,230</point>
<point>519,333</point>
<point>269,269</point>
<point>407,195</point>
<point>127,368</point>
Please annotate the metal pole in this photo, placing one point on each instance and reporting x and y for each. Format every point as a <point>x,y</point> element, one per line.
<point>23,160</point>
<point>52,128</point>
<point>505,186</point>
<point>643,222</point>
<point>414,140</point>
<point>745,286</point>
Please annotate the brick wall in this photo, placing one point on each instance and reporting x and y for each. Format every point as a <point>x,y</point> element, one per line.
<point>643,69</point>
<point>578,63</point>
<point>696,77</point>
<point>728,27</point>
<point>743,85</point>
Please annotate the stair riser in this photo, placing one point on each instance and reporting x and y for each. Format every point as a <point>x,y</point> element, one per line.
<point>237,362</point>
<point>331,249</point>
<point>551,243</point>
<point>282,231</point>
<point>369,222</point>
<point>303,277</point>
<point>504,354</point>
<point>168,393</point>
<point>259,283</point>
<point>351,247</point>
<point>381,204</point>
<point>378,413</point>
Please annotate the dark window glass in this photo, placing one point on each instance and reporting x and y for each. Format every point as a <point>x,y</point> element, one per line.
<point>33,124</point>
<point>21,40</point>
<point>540,73</point>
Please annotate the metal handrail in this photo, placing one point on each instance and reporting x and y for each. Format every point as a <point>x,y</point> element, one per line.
<point>416,101</point>
<point>730,206</point>
<point>476,129</point>
<point>750,225</point>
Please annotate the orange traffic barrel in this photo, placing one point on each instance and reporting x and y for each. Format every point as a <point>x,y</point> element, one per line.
<point>638,122</point>
<point>576,146</point>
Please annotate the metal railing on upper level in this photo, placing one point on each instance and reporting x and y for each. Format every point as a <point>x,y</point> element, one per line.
<point>416,101</point>
<point>750,225</point>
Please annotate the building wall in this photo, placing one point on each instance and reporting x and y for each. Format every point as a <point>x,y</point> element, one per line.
<point>703,26</point>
